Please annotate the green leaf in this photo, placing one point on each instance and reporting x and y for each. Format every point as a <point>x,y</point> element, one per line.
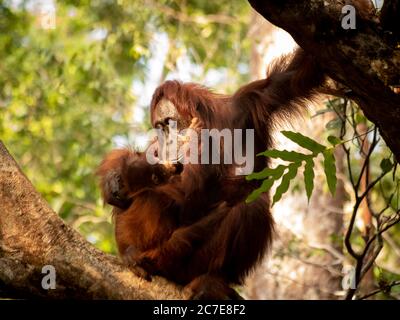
<point>333,124</point>
<point>284,155</point>
<point>386,165</point>
<point>304,141</point>
<point>330,170</point>
<point>284,186</point>
<point>309,177</point>
<point>265,186</point>
<point>334,140</point>
<point>267,172</point>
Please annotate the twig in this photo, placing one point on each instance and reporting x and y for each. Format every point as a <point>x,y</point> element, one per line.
<point>385,288</point>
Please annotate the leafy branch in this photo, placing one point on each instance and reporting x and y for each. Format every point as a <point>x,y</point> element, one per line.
<point>296,159</point>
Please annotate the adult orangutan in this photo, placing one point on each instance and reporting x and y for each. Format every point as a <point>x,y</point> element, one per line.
<point>216,238</point>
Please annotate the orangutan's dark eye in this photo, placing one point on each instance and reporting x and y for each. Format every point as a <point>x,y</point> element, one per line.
<point>155,179</point>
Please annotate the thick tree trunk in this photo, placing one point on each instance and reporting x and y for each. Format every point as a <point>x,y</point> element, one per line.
<point>32,236</point>
<point>365,60</point>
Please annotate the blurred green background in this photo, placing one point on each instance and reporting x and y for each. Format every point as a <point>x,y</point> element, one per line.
<point>74,87</point>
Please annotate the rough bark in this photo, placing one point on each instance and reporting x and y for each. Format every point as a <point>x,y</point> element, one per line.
<point>32,236</point>
<point>365,60</point>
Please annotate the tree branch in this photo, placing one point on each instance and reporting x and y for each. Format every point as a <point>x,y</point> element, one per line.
<point>364,60</point>
<point>385,288</point>
<point>32,236</point>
